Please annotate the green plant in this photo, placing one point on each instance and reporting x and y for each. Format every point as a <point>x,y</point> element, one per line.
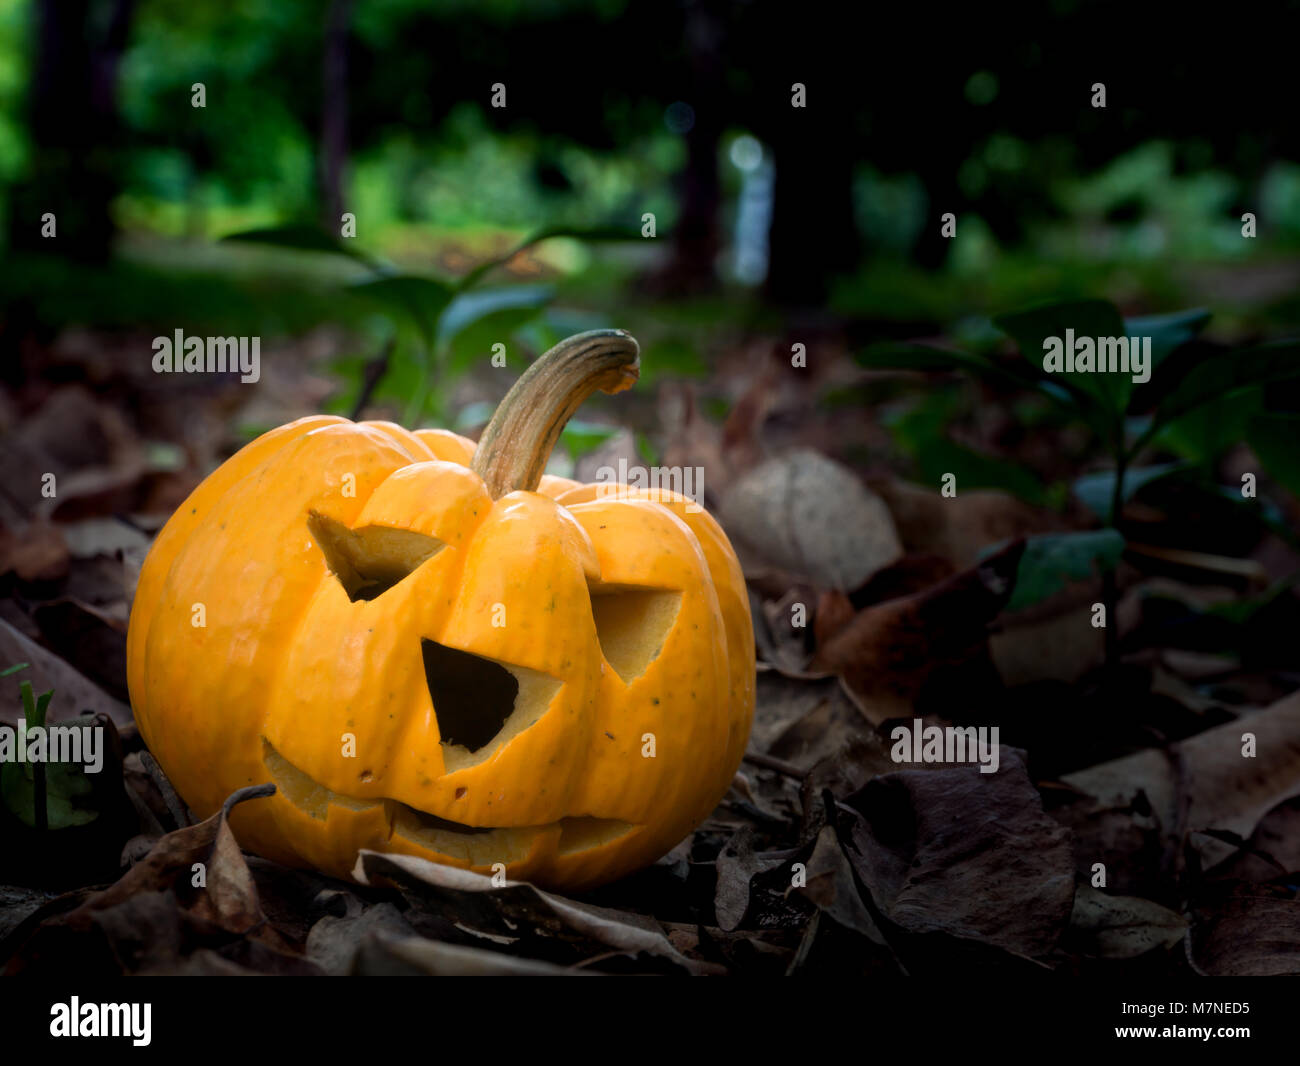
<point>435,328</point>
<point>45,795</point>
<point>1196,403</point>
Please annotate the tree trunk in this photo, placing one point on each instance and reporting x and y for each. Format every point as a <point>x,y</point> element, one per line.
<point>334,114</point>
<point>814,231</point>
<point>696,238</point>
<point>74,129</point>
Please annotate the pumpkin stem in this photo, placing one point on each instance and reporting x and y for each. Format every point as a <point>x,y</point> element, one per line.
<point>514,448</point>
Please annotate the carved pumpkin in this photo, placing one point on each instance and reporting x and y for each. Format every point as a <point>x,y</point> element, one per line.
<point>432,648</point>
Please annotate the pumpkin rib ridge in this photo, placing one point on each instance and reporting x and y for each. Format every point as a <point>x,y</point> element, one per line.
<point>166,585</point>
<point>144,622</point>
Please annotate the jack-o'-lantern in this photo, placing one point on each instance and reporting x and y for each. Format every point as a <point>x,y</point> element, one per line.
<point>431,647</point>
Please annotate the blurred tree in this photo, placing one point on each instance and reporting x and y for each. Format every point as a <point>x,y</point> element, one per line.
<point>73,127</point>
<point>334,111</point>
<point>696,236</point>
<point>994,119</point>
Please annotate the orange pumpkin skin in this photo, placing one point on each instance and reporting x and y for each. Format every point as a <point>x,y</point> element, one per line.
<point>613,752</point>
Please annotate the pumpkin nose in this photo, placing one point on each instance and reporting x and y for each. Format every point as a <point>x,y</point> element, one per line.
<point>472,696</point>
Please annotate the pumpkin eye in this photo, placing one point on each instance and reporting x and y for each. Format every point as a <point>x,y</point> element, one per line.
<point>479,703</point>
<point>632,625</point>
<point>371,560</point>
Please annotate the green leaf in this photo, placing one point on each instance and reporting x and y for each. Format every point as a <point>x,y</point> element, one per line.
<point>301,238</point>
<point>590,233</point>
<point>65,783</point>
<point>1066,395</point>
<point>893,355</point>
<point>14,669</point>
<point>1275,438</point>
<point>34,710</point>
<point>1203,434</point>
<point>1167,332</point>
<point>1240,612</point>
<point>646,450</point>
<point>976,470</point>
<point>564,322</point>
<point>539,334</point>
<point>409,378</point>
<point>478,413</point>
<point>1095,491</point>
<point>583,437</point>
<point>67,786</point>
<point>921,432</point>
<point>422,300</point>
<point>1087,318</point>
<point>675,355</point>
<point>1226,375</point>
<point>1051,560</point>
<point>1263,512</point>
<point>474,321</point>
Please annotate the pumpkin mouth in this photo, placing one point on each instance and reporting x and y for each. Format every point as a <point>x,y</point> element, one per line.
<point>473,844</point>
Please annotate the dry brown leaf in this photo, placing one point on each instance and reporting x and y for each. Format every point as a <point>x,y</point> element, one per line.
<point>830,726</point>
<point>967,854</point>
<point>90,639</point>
<point>1203,782</point>
<point>1121,927</point>
<point>834,611</point>
<point>809,515</point>
<point>781,702</point>
<point>103,536</point>
<point>888,652</point>
<point>735,865</point>
<point>334,940</point>
<point>781,630</point>
<point>958,528</point>
<point>1054,641</point>
<point>1272,850</point>
<point>71,430</point>
<point>691,440</point>
<point>16,903</point>
<point>487,910</point>
<point>385,956</point>
<point>153,915</point>
<point>829,885</point>
<point>37,552</point>
<point>844,773</point>
<point>1248,937</point>
<point>912,573</point>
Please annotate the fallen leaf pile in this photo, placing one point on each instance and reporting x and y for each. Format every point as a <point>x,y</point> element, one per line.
<point>1144,816</point>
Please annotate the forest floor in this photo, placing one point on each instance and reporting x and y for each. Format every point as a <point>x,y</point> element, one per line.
<point>1125,831</point>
